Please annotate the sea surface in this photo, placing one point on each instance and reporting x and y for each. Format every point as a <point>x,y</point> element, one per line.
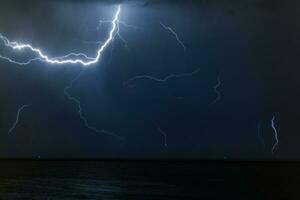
<point>26,179</point>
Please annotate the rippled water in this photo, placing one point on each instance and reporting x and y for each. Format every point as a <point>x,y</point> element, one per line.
<point>147,180</point>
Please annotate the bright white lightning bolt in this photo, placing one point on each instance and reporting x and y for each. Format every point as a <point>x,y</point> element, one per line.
<point>273,126</point>
<point>118,34</point>
<point>18,117</point>
<point>175,34</point>
<point>80,58</point>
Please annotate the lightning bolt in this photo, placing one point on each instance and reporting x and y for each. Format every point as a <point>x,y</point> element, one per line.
<point>273,126</point>
<point>171,76</point>
<point>71,58</point>
<point>80,112</point>
<point>175,35</point>
<point>118,34</point>
<point>217,92</point>
<point>18,117</point>
<point>163,134</point>
<point>78,58</point>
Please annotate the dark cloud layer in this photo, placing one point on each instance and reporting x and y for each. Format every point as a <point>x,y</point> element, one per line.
<point>263,4</point>
<point>150,2</point>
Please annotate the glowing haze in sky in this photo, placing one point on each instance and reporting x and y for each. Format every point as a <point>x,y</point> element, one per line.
<point>149,79</point>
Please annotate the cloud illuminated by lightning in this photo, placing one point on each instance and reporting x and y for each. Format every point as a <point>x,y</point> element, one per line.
<point>18,117</point>
<point>78,58</point>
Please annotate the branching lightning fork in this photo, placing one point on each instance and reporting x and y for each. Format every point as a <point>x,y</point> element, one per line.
<point>71,58</point>
<point>118,34</point>
<point>78,58</point>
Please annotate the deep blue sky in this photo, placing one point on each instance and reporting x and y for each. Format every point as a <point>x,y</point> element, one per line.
<point>251,47</point>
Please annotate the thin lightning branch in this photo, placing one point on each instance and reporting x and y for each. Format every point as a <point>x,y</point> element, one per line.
<point>113,44</point>
<point>101,22</point>
<point>111,52</point>
<point>217,92</point>
<point>118,34</point>
<point>18,117</point>
<point>175,34</point>
<point>81,115</point>
<point>80,58</point>
<point>171,76</point>
<point>19,63</point>
<point>123,40</point>
<point>164,135</point>
<point>273,126</point>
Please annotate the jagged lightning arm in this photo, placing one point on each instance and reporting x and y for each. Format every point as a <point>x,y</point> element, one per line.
<point>80,58</point>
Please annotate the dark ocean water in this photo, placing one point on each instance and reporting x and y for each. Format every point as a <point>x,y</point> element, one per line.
<point>148,180</point>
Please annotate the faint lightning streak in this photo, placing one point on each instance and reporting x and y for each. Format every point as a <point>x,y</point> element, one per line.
<point>273,126</point>
<point>163,134</point>
<point>171,76</point>
<point>175,34</point>
<point>18,117</point>
<point>19,63</point>
<point>81,115</point>
<point>123,40</point>
<point>260,135</point>
<point>217,92</point>
<point>64,59</point>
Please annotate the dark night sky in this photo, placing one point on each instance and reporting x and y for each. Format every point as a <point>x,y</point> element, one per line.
<point>252,46</point>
